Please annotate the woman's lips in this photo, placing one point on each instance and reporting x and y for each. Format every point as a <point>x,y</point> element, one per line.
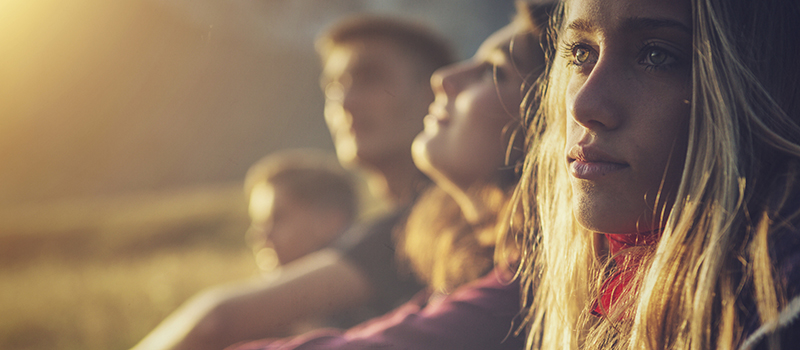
<point>437,113</point>
<point>433,122</point>
<point>589,163</point>
<point>586,170</point>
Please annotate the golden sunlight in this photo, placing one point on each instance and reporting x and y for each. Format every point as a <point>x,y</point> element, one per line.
<point>46,45</point>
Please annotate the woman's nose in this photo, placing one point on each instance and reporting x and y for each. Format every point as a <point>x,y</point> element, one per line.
<point>449,80</point>
<point>595,100</point>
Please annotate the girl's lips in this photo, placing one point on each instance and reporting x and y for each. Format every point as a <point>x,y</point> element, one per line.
<point>437,113</point>
<point>593,170</point>
<point>436,120</point>
<point>590,162</point>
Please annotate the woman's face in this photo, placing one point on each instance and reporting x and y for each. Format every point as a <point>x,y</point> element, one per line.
<point>476,108</point>
<point>627,97</point>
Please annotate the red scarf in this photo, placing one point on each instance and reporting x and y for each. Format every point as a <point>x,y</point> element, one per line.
<point>627,264</point>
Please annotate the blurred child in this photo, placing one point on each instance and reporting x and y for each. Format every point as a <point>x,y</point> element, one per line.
<point>300,201</point>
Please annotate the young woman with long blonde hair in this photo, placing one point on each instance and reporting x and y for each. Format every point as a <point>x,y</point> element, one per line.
<point>661,198</point>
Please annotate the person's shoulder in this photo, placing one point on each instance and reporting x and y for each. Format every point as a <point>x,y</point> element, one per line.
<point>361,232</point>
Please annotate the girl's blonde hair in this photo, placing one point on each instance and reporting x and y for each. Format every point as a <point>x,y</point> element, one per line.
<point>442,248</point>
<point>713,259</point>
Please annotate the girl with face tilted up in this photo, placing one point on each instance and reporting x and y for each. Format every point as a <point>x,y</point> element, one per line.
<point>662,196</point>
<point>469,148</point>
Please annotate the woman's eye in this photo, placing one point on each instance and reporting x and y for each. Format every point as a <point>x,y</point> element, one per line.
<point>657,58</point>
<point>499,74</point>
<point>581,55</point>
<point>492,72</point>
<point>578,54</point>
<point>488,72</point>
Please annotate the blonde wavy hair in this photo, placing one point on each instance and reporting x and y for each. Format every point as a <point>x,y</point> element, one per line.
<point>443,249</point>
<point>733,202</point>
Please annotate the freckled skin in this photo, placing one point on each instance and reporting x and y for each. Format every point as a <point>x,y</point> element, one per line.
<point>626,96</point>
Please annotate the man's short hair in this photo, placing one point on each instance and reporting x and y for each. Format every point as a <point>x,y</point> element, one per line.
<point>310,176</point>
<point>427,47</point>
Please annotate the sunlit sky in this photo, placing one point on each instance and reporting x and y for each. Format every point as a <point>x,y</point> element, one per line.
<point>100,96</point>
<point>125,124</point>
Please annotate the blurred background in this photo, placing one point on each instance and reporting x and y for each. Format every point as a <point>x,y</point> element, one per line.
<point>126,128</point>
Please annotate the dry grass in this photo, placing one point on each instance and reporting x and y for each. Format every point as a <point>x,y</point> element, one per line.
<point>104,281</point>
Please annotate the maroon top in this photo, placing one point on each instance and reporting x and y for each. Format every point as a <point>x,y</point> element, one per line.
<point>478,315</point>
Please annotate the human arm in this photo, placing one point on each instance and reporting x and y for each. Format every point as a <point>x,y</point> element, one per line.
<point>479,315</point>
<point>320,283</point>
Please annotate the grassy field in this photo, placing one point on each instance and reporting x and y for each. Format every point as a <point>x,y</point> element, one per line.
<point>100,273</point>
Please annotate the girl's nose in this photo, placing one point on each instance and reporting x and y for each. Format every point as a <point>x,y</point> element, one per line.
<point>449,80</point>
<point>594,100</point>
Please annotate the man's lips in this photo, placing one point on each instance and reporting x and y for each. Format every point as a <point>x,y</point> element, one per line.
<point>590,163</point>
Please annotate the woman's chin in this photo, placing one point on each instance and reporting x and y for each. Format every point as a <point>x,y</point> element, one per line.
<point>426,152</point>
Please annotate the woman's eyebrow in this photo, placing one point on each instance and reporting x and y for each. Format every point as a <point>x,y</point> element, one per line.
<point>632,24</point>
<point>581,25</point>
<point>644,23</point>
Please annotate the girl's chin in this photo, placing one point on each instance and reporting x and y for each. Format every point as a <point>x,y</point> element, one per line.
<point>604,224</point>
